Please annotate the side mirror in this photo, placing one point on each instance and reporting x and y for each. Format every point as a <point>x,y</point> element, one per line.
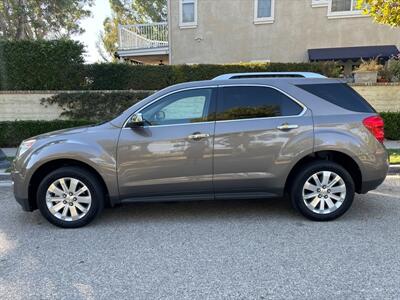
<point>136,121</point>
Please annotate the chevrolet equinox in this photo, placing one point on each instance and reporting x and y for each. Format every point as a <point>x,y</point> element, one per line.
<point>237,136</point>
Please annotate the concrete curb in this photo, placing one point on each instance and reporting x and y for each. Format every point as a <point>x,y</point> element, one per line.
<point>394,170</point>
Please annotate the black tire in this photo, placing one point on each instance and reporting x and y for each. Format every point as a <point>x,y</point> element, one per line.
<point>86,177</point>
<point>296,193</point>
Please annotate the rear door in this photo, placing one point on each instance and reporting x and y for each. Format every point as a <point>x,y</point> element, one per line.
<point>259,131</point>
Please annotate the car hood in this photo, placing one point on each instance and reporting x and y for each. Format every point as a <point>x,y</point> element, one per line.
<point>61,133</point>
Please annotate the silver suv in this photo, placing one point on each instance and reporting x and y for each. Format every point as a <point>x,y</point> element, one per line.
<point>239,136</point>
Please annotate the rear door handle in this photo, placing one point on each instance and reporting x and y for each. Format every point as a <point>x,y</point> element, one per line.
<point>287,126</point>
<point>198,136</point>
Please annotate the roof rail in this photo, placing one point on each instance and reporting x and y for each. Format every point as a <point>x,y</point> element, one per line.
<point>268,75</point>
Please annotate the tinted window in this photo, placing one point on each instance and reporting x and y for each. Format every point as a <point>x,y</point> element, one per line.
<point>245,102</point>
<point>182,107</point>
<point>339,94</point>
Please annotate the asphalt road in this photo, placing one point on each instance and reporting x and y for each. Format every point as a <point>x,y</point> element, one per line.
<point>205,250</point>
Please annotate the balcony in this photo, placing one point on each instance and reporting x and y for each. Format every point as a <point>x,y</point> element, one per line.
<point>144,43</point>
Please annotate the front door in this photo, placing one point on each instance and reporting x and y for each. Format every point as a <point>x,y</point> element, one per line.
<point>172,154</point>
<point>259,131</point>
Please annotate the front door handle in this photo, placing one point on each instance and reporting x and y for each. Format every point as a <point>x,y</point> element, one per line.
<point>197,136</point>
<point>286,126</point>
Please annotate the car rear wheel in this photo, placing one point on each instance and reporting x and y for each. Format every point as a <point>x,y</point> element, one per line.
<point>70,197</point>
<point>322,191</point>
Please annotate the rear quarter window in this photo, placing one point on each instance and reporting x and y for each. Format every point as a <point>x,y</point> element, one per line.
<point>339,94</point>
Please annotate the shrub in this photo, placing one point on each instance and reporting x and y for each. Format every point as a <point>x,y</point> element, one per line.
<point>94,106</point>
<point>369,66</point>
<point>41,65</point>
<point>394,69</point>
<point>12,133</point>
<point>392,125</point>
<point>146,77</point>
<point>112,76</point>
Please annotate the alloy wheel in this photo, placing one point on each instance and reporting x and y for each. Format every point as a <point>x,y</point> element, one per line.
<point>68,199</point>
<point>324,192</point>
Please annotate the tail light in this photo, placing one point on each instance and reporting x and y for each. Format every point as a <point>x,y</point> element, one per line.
<point>375,125</point>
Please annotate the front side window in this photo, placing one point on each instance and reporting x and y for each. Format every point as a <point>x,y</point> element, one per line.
<point>188,13</point>
<point>248,102</point>
<point>189,106</point>
<point>263,11</point>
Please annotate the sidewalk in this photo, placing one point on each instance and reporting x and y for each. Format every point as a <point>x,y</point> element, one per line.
<point>4,163</point>
<point>9,152</point>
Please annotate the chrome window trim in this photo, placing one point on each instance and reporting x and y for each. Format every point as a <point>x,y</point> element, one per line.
<point>220,121</point>
<point>266,118</point>
<point>181,124</point>
<point>166,95</point>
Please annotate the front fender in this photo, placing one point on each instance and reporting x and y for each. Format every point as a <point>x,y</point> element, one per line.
<point>98,154</point>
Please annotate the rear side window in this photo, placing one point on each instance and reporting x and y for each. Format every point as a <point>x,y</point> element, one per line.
<point>339,94</point>
<point>248,102</point>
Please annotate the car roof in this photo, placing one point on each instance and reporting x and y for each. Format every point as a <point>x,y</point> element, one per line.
<point>274,81</point>
<point>269,75</point>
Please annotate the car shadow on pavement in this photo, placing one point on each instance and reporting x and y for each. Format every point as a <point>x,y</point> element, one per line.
<point>279,208</point>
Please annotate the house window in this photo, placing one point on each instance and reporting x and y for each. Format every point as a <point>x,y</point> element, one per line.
<point>188,13</point>
<point>343,8</point>
<point>344,5</point>
<point>264,11</point>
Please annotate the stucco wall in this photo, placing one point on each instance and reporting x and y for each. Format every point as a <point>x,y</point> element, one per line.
<point>226,32</point>
<point>26,105</point>
<point>384,97</point>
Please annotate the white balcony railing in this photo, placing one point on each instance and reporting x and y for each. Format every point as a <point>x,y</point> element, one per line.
<point>143,36</point>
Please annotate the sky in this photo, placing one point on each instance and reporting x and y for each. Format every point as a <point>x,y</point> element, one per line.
<point>93,26</point>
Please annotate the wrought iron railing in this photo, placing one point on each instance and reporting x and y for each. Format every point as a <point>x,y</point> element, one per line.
<point>143,36</point>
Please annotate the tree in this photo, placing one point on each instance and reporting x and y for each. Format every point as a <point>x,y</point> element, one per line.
<point>149,11</point>
<point>129,12</point>
<point>383,11</point>
<point>40,19</point>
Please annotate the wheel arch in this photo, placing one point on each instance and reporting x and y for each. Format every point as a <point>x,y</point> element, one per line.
<point>343,159</point>
<point>52,165</point>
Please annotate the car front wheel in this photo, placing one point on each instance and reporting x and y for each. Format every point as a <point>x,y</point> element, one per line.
<point>323,191</point>
<point>70,197</point>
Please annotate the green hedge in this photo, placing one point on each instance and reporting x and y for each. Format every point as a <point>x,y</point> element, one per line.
<point>392,125</point>
<point>41,65</point>
<point>13,132</point>
<point>147,77</point>
<point>94,106</point>
<point>58,65</point>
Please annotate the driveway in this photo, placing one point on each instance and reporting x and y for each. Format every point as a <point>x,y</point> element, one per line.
<point>205,250</point>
